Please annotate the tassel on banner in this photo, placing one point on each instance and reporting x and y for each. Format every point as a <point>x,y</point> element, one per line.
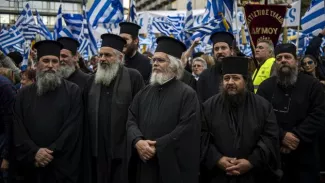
<point>285,34</point>
<point>243,35</point>
<point>224,21</point>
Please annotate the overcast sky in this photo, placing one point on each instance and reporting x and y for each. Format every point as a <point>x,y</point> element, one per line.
<point>126,3</point>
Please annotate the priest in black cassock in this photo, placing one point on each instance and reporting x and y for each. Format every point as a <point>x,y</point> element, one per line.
<point>163,128</point>
<point>133,59</point>
<point>208,83</point>
<point>244,145</point>
<point>48,121</point>
<point>68,61</point>
<point>299,105</point>
<point>109,97</point>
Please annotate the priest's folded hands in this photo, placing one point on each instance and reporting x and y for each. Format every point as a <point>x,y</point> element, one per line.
<point>146,149</point>
<point>234,166</point>
<point>43,157</point>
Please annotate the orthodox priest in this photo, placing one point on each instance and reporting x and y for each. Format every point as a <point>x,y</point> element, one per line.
<point>133,59</point>
<point>299,105</point>
<point>163,127</point>
<point>209,81</point>
<point>68,62</point>
<point>48,121</point>
<point>109,97</point>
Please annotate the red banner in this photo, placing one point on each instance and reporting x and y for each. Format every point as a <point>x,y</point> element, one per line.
<point>264,22</point>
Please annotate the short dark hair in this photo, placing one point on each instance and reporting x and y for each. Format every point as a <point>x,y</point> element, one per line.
<point>30,73</point>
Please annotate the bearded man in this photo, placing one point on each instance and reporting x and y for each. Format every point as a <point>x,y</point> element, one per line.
<point>244,142</point>
<point>299,104</point>
<point>68,62</point>
<point>133,59</point>
<point>109,97</point>
<point>163,127</point>
<point>48,122</point>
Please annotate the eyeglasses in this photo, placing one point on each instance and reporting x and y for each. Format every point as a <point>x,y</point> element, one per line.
<point>197,66</point>
<point>310,62</point>
<point>159,60</point>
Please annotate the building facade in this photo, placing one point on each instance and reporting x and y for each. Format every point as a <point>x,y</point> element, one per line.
<point>145,5</point>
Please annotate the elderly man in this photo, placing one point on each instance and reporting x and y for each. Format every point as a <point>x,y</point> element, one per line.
<point>48,122</point>
<point>265,58</point>
<point>68,62</point>
<point>109,97</point>
<point>133,59</point>
<point>298,102</point>
<point>198,66</point>
<point>244,146</point>
<point>208,83</point>
<point>163,128</point>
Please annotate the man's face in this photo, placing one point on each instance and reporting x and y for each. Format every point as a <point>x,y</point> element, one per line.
<point>221,50</point>
<point>233,84</point>
<point>262,51</point>
<point>131,44</point>
<point>107,56</point>
<point>286,63</point>
<point>197,67</point>
<point>160,62</point>
<point>66,58</point>
<point>48,63</point>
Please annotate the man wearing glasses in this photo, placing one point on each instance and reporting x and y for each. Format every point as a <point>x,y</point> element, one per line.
<point>299,104</point>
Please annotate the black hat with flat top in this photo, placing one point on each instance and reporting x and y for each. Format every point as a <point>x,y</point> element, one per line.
<point>129,28</point>
<point>222,37</point>
<point>69,44</point>
<point>235,65</point>
<point>48,47</point>
<point>114,41</point>
<point>170,46</point>
<point>286,48</point>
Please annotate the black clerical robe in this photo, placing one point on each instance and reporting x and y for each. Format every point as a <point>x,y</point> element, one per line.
<point>248,131</point>
<point>301,111</point>
<point>54,121</point>
<point>189,79</point>
<point>80,78</point>
<point>167,114</point>
<point>140,63</point>
<point>107,111</point>
<point>209,82</point>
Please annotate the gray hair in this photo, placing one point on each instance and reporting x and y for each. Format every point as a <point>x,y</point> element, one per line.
<point>118,54</point>
<point>270,45</point>
<point>199,59</point>
<point>176,66</point>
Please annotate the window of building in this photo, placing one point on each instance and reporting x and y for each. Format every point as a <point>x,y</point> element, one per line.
<point>4,19</point>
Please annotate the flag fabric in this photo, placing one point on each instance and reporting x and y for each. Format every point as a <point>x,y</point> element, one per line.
<point>133,12</point>
<point>58,24</point>
<point>189,20</point>
<point>26,23</point>
<point>314,18</point>
<point>65,32</point>
<point>214,7</point>
<point>74,23</point>
<point>26,55</point>
<point>43,30</point>
<point>87,28</point>
<point>105,11</point>
<point>10,38</point>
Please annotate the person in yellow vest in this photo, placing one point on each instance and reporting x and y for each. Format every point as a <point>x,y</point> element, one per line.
<point>264,54</point>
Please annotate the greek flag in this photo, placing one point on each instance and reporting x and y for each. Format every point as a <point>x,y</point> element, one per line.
<point>189,20</point>
<point>43,31</point>
<point>26,23</point>
<point>74,23</point>
<point>165,28</point>
<point>314,18</point>
<point>65,32</point>
<point>26,55</point>
<point>88,31</point>
<point>83,41</point>
<point>214,7</point>
<point>58,24</point>
<point>133,12</point>
<point>204,31</point>
<point>152,47</point>
<point>11,38</point>
<point>105,11</point>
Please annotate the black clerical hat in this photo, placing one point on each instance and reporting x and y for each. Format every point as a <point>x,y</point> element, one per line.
<point>235,65</point>
<point>286,48</point>
<point>129,28</point>
<point>48,47</point>
<point>69,44</point>
<point>170,46</point>
<point>222,37</point>
<point>114,41</point>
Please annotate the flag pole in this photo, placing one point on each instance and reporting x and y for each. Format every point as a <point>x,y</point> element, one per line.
<point>236,21</point>
<point>128,18</point>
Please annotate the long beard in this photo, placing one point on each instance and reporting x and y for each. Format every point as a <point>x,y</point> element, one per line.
<point>131,49</point>
<point>65,71</point>
<point>106,73</point>
<point>47,81</point>
<point>161,77</point>
<point>233,100</point>
<point>286,75</point>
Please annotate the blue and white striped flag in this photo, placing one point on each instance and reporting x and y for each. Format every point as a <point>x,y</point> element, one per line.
<point>74,22</point>
<point>84,42</point>
<point>88,32</point>
<point>10,38</point>
<point>314,18</point>
<point>105,11</point>
<point>58,24</point>
<point>214,7</point>
<point>133,12</point>
<point>165,28</point>
<point>43,31</point>
<point>189,20</point>
<point>26,55</point>
<point>204,31</point>
<point>65,32</point>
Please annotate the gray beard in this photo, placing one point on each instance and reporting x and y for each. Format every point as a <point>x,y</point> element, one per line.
<point>106,74</point>
<point>47,81</point>
<point>160,78</point>
<point>287,79</point>
<point>65,71</point>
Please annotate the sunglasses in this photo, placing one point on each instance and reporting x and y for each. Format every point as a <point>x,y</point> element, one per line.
<point>307,63</point>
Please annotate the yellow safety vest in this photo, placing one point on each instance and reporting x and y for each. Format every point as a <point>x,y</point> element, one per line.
<point>263,73</point>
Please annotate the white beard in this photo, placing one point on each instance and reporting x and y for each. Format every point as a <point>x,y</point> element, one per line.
<point>105,75</point>
<point>47,81</point>
<point>65,71</point>
<point>160,78</point>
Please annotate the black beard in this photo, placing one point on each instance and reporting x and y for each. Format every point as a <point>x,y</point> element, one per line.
<point>130,49</point>
<point>234,101</point>
<point>286,75</point>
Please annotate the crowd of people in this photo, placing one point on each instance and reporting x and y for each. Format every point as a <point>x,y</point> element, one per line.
<point>172,116</point>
